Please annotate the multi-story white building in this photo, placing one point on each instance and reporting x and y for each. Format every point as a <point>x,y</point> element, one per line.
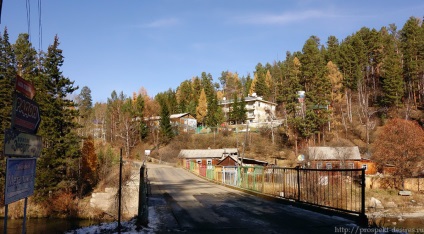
<point>259,111</point>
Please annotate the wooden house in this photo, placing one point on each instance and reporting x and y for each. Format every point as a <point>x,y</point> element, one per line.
<point>181,123</point>
<point>334,158</point>
<point>209,157</point>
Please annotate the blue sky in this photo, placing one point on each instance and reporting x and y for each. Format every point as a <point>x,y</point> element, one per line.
<point>128,44</point>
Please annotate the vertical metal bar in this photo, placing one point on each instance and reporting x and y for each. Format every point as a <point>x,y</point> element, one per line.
<point>363,192</point>
<point>352,193</point>
<point>24,221</point>
<point>298,184</point>
<point>141,195</point>
<point>120,192</point>
<point>6,210</point>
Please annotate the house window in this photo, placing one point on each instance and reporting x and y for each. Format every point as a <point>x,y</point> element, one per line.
<point>209,162</point>
<point>350,166</point>
<point>319,165</point>
<point>365,166</point>
<point>199,161</point>
<point>328,166</point>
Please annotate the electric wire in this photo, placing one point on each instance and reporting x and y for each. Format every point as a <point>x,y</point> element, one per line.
<point>28,11</point>
<point>40,28</point>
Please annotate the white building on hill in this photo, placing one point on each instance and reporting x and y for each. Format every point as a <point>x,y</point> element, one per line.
<point>259,112</point>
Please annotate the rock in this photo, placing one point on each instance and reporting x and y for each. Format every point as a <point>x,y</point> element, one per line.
<point>375,203</point>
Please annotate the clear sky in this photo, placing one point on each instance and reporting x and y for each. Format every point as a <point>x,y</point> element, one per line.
<point>128,44</point>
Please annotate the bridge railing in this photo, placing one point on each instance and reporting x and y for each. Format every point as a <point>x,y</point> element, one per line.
<point>338,189</point>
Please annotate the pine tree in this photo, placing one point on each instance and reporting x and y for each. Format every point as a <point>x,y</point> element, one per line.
<point>165,124</point>
<point>7,82</point>
<point>392,80</point>
<point>26,57</point>
<point>214,115</point>
<point>234,112</point>
<point>317,87</point>
<point>332,52</point>
<point>412,45</point>
<point>7,76</point>
<point>85,103</point>
<point>260,86</point>
<point>57,168</point>
<point>241,115</point>
<point>139,113</point>
<point>184,97</point>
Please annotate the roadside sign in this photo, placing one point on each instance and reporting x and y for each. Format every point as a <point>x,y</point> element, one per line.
<point>20,177</point>
<point>25,114</point>
<point>24,87</point>
<point>19,144</point>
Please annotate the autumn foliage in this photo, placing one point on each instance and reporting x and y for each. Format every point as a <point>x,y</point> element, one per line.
<point>88,165</point>
<point>401,144</point>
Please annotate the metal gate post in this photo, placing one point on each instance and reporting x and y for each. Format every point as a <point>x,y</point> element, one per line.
<point>142,199</point>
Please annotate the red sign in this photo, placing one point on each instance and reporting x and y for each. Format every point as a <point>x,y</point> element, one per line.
<point>24,87</point>
<point>25,114</point>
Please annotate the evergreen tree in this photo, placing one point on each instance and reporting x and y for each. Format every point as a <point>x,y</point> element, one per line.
<point>234,112</point>
<point>241,115</point>
<point>392,80</point>
<point>139,113</point>
<point>165,124</point>
<point>57,168</point>
<point>246,82</point>
<point>412,45</point>
<point>7,77</point>
<point>260,86</point>
<point>214,115</point>
<point>291,86</point>
<point>317,87</point>
<point>7,82</point>
<point>26,57</point>
<point>184,97</point>
<point>85,103</point>
<point>332,52</point>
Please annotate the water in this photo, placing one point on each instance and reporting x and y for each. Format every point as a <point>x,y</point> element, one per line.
<point>37,226</point>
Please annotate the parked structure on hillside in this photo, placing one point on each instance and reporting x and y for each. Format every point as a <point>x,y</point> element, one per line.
<point>259,111</point>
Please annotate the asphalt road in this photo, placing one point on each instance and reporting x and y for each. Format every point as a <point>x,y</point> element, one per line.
<point>183,202</point>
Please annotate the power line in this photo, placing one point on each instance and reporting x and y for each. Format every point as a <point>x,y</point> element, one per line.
<point>40,28</point>
<point>28,11</point>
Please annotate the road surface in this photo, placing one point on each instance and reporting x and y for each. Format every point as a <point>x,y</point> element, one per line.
<point>183,202</point>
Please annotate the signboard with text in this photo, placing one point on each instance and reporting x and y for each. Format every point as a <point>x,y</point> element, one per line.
<point>20,177</point>
<point>25,114</point>
<point>19,144</point>
<point>24,87</point>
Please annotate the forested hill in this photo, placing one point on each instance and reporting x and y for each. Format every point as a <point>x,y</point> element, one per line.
<point>352,86</point>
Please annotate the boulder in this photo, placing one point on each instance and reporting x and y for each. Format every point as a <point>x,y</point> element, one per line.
<point>375,203</point>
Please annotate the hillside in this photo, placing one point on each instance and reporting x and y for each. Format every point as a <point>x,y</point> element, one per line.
<point>259,145</point>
